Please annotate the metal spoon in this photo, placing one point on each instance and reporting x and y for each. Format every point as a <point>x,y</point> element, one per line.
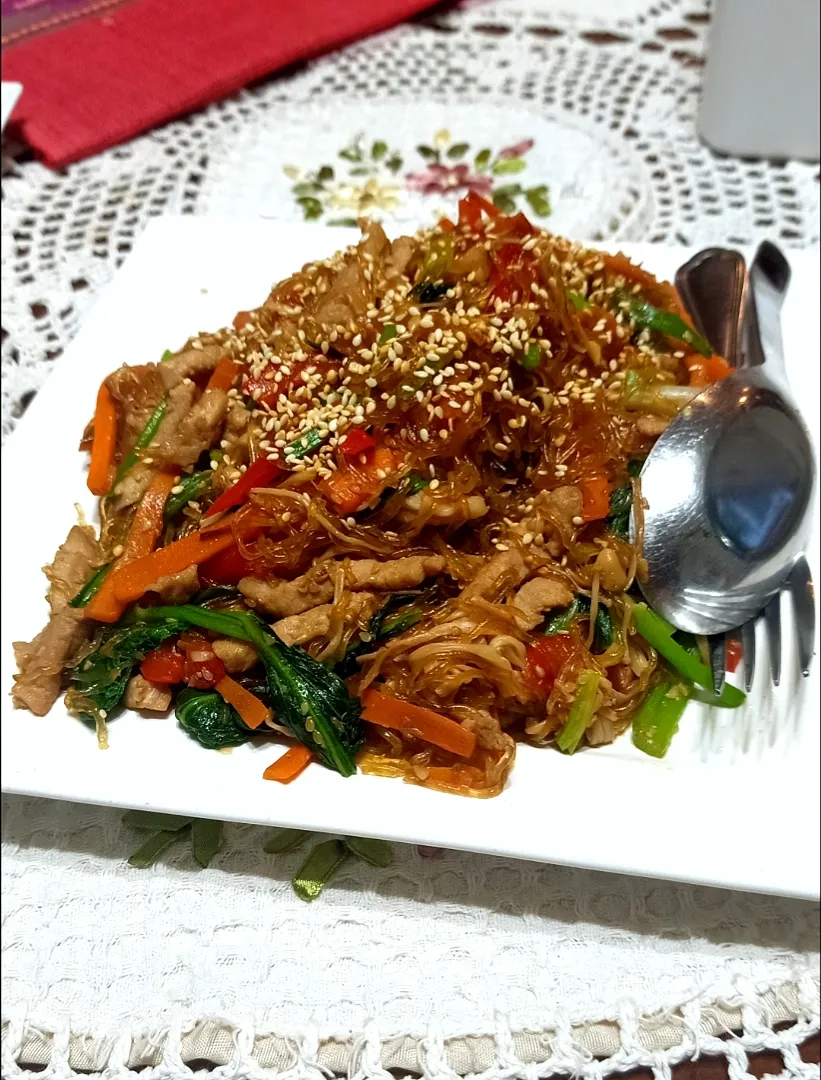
<point>729,485</point>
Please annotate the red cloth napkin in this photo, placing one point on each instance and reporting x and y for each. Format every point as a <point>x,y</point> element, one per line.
<point>98,72</point>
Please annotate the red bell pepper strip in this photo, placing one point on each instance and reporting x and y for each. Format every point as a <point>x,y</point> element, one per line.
<point>356,442</point>
<point>260,474</point>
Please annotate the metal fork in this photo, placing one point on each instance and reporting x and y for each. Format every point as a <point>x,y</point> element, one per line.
<point>714,286</point>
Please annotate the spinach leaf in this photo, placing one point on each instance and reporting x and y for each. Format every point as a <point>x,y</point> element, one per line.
<point>429,292</point>
<point>99,680</point>
<point>665,322</point>
<point>399,613</point>
<point>621,503</point>
<point>211,721</point>
<point>561,620</point>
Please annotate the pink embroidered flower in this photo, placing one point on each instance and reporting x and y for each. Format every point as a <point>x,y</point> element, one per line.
<point>440,179</point>
<point>517,149</point>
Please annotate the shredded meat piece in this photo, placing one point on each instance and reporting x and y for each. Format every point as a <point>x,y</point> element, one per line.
<point>485,727</point>
<point>538,595</point>
<point>142,694</point>
<point>374,243</point>
<point>651,425</point>
<point>402,251</point>
<point>137,391</point>
<point>177,588</point>
<point>299,629</point>
<point>504,571</point>
<point>198,431</point>
<point>136,481</point>
<point>41,662</point>
<point>564,503</point>
<point>189,363</point>
<point>236,655</point>
<point>316,587</point>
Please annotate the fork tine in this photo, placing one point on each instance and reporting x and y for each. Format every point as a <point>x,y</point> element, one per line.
<point>748,653</point>
<point>772,620</point>
<point>717,645</point>
<point>803,597</point>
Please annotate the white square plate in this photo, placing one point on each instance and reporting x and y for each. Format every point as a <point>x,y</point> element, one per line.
<point>735,803</point>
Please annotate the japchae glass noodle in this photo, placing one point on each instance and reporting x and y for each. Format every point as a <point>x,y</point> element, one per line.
<point>391,506</point>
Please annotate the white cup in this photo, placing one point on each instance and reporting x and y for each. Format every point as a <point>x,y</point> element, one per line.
<point>761,82</point>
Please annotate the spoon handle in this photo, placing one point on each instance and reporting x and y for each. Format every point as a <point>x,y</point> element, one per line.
<point>769,279</point>
<point>712,286</point>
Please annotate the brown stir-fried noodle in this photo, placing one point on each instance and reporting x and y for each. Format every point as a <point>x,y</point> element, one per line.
<point>454,416</point>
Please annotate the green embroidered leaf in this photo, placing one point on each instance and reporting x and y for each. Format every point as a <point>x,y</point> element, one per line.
<point>458,150</point>
<point>305,188</point>
<point>151,850</point>
<point>206,840</point>
<point>378,150</point>
<point>361,170</point>
<point>148,821</point>
<point>539,200</point>
<point>318,869</point>
<point>394,163</point>
<point>508,165</point>
<point>325,173</point>
<point>375,852</point>
<point>481,160</point>
<point>504,201</point>
<point>312,208</point>
<point>284,840</point>
<point>428,153</point>
<point>508,189</point>
<point>346,222</point>
<point>351,153</point>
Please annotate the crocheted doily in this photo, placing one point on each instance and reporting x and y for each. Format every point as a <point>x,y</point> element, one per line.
<point>441,966</point>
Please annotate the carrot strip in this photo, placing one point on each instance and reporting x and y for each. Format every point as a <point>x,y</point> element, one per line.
<point>354,484</point>
<point>252,711</point>
<point>101,467</point>
<point>390,712</point>
<point>223,375</point>
<point>147,526</point>
<point>105,607</point>
<point>596,498</point>
<point>290,765</point>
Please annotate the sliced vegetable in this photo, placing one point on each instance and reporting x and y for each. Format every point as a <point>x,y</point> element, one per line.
<point>656,722</point>
<point>151,850</point>
<point>144,440</point>
<point>471,209</point>
<point>129,582</point>
<point>545,659</point>
<point>581,712</point>
<point>531,357</point>
<point>667,323</point>
<point>191,488</point>
<point>414,482</point>
<point>167,354</point>
<point>151,821</point>
<point>318,869</point>
<point>284,840</point>
<point>657,632</point>
<point>104,446</point>
<point>206,840</point>
<point>91,587</point>
<point>203,668</point>
<point>260,474</point>
<point>389,332</point>
<point>376,852</point>
<point>214,723</point>
<point>307,698</point>
<point>253,712</point>
<point>621,503</point>
<point>578,301</point>
<point>398,715</point>
<point>225,568</point>
<point>355,484</point>
<point>165,665</point>
<point>288,767</point>
<point>429,292</point>
<point>734,654</point>
<point>147,526</point>
<point>304,445</point>
<point>596,498</point>
<point>223,375</point>
<point>707,370</point>
<point>398,614</point>
<point>356,442</point>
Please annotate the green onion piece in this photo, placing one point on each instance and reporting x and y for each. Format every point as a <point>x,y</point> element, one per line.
<point>151,850</point>
<point>193,485</point>
<point>148,821</point>
<point>318,869</point>
<point>581,712</point>
<point>531,357</point>
<point>578,301</point>
<point>166,355</point>
<point>284,840</point>
<point>206,840</point>
<point>656,722</point>
<point>665,322</point>
<point>375,852</point>
<point>144,439</point>
<point>91,587</point>
<point>388,334</point>
<point>659,633</point>
<point>304,444</point>
<point>415,482</point>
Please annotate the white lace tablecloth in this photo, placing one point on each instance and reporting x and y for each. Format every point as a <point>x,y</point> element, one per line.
<point>443,966</point>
